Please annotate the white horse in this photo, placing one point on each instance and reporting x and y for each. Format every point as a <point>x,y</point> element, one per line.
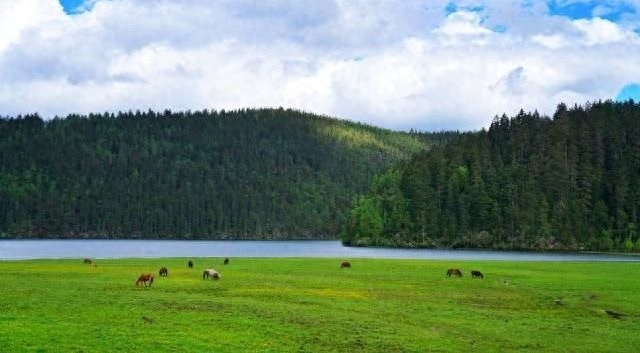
<point>214,274</point>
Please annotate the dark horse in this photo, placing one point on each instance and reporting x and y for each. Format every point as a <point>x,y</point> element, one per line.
<point>476,274</point>
<point>164,272</point>
<point>87,260</point>
<point>454,272</point>
<point>190,264</point>
<point>144,278</point>
<point>226,260</point>
<point>345,264</point>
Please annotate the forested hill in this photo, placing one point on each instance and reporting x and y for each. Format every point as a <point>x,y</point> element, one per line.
<point>267,173</point>
<point>529,182</point>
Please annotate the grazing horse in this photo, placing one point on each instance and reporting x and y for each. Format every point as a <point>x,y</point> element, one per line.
<point>345,264</point>
<point>226,260</point>
<point>164,272</point>
<point>476,274</point>
<point>144,278</point>
<point>190,264</point>
<point>454,272</point>
<point>87,260</point>
<point>214,274</point>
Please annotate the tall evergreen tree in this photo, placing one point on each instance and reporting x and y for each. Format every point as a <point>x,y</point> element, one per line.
<point>256,173</point>
<point>529,182</point>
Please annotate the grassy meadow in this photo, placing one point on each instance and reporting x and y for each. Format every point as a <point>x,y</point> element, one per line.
<point>312,305</point>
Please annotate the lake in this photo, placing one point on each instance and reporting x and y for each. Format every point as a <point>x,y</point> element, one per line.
<point>57,249</point>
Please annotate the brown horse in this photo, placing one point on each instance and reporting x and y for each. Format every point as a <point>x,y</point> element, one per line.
<point>164,272</point>
<point>226,260</point>
<point>144,278</point>
<point>476,274</point>
<point>345,264</point>
<point>214,274</point>
<point>454,272</point>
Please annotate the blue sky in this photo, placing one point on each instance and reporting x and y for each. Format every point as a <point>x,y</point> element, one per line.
<point>631,91</point>
<point>401,64</point>
<point>610,10</point>
<point>71,6</point>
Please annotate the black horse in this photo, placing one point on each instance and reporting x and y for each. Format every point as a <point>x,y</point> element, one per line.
<point>164,272</point>
<point>476,274</point>
<point>190,264</point>
<point>226,260</point>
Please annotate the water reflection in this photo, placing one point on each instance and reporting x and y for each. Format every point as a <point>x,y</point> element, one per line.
<point>52,249</point>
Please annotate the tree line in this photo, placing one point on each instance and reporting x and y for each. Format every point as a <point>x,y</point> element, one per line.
<point>250,173</point>
<point>566,182</point>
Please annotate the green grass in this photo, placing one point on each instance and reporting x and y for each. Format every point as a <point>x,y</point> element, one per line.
<point>311,305</point>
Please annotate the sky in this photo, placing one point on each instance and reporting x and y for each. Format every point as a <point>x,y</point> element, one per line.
<point>429,65</point>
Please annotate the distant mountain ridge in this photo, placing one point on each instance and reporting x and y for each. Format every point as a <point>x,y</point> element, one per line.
<point>251,173</point>
<point>568,182</point>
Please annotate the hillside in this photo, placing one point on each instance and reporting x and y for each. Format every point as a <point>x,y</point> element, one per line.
<point>266,173</point>
<point>530,182</point>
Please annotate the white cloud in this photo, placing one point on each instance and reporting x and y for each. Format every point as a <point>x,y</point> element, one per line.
<point>397,64</point>
<point>600,31</point>
<point>462,24</point>
<point>18,16</point>
<point>551,41</point>
<point>581,32</point>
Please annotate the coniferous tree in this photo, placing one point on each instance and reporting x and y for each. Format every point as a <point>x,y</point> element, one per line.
<point>529,182</point>
<point>250,173</point>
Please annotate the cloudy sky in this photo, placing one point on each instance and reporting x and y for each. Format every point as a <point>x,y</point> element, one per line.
<point>422,64</point>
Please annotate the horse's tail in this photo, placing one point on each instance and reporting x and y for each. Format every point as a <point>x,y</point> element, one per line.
<point>138,282</point>
<point>150,280</point>
<point>204,274</point>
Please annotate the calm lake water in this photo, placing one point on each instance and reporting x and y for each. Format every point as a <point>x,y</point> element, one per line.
<point>56,249</point>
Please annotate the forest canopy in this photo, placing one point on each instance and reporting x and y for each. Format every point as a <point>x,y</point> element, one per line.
<point>254,173</point>
<point>567,182</point>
